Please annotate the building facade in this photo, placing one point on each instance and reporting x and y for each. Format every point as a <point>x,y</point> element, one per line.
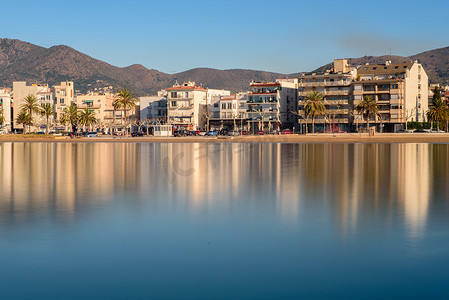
<point>5,107</point>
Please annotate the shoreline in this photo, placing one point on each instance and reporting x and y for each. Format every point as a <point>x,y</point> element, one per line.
<point>381,138</point>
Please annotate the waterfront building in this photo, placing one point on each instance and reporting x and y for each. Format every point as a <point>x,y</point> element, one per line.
<point>229,111</point>
<point>400,90</point>
<point>335,87</point>
<point>288,100</point>
<point>21,90</point>
<point>187,105</point>
<point>5,104</point>
<point>264,106</point>
<point>63,95</point>
<point>102,105</point>
<point>153,109</point>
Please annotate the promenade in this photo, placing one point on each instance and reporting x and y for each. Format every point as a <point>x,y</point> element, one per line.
<point>437,138</point>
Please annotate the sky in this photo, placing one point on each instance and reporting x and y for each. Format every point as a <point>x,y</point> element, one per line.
<point>278,36</point>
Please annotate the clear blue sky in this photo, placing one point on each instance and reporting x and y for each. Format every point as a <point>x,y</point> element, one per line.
<point>280,36</point>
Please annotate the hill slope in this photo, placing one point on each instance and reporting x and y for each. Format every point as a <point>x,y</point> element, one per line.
<point>22,61</point>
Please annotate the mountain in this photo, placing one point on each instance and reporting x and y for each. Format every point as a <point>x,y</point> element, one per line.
<point>435,62</point>
<point>22,61</point>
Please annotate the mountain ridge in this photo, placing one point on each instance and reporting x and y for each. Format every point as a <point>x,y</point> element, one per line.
<point>24,61</point>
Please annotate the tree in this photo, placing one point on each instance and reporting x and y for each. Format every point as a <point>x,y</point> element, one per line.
<point>47,111</point>
<point>314,107</point>
<point>439,111</point>
<point>71,116</point>
<point>2,115</point>
<point>87,118</point>
<point>367,107</point>
<point>30,106</point>
<point>127,101</point>
<point>24,119</point>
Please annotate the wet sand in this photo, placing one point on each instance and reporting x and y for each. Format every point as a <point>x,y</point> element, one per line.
<point>436,138</point>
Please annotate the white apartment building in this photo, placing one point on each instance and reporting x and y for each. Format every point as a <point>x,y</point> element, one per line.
<point>153,110</point>
<point>187,105</point>
<point>5,104</point>
<point>288,100</point>
<point>229,111</point>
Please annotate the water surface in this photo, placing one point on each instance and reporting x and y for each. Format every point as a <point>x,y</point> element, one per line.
<point>224,221</point>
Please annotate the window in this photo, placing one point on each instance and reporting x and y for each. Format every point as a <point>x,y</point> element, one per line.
<point>394,96</point>
<point>374,68</point>
<point>365,69</point>
<point>61,100</point>
<point>394,86</point>
<point>173,103</point>
<point>173,95</point>
<point>419,77</point>
<point>396,67</point>
<point>358,97</point>
<point>229,105</point>
<point>223,106</point>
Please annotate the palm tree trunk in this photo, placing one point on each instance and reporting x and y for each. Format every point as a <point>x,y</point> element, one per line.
<point>367,124</point>
<point>313,124</point>
<point>47,125</point>
<point>126,129</point>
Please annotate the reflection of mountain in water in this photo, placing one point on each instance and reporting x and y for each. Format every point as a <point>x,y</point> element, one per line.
<point>352,184</point>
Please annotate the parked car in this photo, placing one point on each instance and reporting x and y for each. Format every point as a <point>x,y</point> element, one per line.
<point>136,133</point>
<point>181,132</point>
<point>202,133</point>
<point>233,133</point>
<point>286,131</point>
<point>224,131</point>
<point>244,132</point>
<point>421,131</point>
<point>403,131</point>
<point>194,132</point>
<point>91,134</point>
<point>261,132</point>
<point>212,133</point>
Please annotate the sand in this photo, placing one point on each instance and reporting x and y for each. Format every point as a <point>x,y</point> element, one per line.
<point>436,138</point>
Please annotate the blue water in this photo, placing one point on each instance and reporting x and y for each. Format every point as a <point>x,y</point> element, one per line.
<point>224,221</point>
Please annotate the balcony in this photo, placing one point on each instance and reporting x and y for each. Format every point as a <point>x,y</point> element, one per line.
<point>336,93</point>
<point>89,106</point>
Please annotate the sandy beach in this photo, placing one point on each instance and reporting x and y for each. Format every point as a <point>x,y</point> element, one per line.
<point>436,138</point>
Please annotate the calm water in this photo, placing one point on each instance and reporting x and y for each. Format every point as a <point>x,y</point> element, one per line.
<point>224,221</point>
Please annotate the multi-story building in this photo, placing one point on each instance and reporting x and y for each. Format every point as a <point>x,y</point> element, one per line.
<point>400,90</point>
<point>63,96</point>
<point>335,87</point>
<point>288,100</point>
<point>229,111</point>
<point>5,105</point>
<point>21,90</point>
<point>264,106</point>
<point>187,105</point>
<point>102,105</point>
<point>153,109</point>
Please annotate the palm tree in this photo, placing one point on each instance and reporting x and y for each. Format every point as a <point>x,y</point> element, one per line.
<point>314,107</point>
<point>47,111</point>
<point>367,107</point>
<point>29,106</point>
<point>87,118</point>
<point>24,119</point>
<point>127,101</point>
<point>71,116</point>
<point>439,112</point>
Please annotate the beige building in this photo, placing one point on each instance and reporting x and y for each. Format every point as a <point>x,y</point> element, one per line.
<point>400,90</point>
<point>102,105</point>
<point>21,90</point>
<point>63,96</point>
<point>335,86</point>
<point>229,111</point>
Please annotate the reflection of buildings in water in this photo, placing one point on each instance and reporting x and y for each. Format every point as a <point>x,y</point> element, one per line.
<point>51,177</point>
<point>414,180</point>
